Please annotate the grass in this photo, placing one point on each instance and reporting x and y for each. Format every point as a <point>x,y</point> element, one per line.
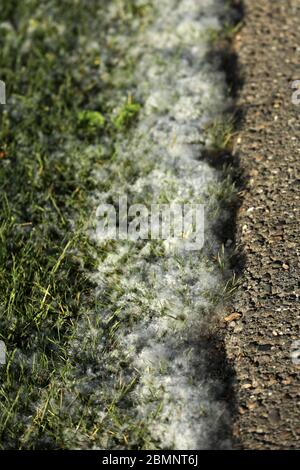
<point>57,106</point>
<point>226,33</point>
<point>220,134</point>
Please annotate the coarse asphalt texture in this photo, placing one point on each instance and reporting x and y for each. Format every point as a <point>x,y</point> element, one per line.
<point>259,342</point>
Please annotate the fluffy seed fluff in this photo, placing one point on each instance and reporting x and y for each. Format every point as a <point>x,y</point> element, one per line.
<point>165,299</point>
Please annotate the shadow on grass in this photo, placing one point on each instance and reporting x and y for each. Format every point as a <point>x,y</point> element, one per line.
<point>227,160</point>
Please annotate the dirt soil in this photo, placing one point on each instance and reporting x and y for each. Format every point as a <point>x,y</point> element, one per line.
<point>268,147</point>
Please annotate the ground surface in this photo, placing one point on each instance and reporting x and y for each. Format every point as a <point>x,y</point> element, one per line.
<point>259,343</point>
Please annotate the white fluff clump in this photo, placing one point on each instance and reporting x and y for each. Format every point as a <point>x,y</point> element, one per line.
<point>166,301</point>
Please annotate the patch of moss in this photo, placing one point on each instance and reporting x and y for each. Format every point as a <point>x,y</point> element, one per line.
<point>127,114</point>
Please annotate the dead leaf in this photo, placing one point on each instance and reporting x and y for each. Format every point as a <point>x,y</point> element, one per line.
<point>251,406</point>
<point>232,317</point>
